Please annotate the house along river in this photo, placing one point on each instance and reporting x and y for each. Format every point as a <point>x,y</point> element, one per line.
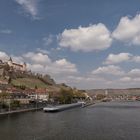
<point>103,121</point>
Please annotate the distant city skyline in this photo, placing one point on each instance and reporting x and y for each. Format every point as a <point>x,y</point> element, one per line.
<point>84,43</point>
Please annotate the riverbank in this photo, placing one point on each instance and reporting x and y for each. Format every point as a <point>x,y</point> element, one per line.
<point>89,104</point>
<point>49,109</point>
<point>20,111</point>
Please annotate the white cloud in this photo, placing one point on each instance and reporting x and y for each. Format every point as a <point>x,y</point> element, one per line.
<point>86,39</point>
<point>86,81</point>
<point>41,63</point>
<point>48,40</point>
<point>117,58</point>
<point>29,6</point>
<point>36,68</point>
<point>128,30</point>
<point>59,69</point>
<point>3,56</point>
<point>136,59</point>
<point>38,58</point>
<point>6,31</point>
<point>62,66</point>
<point>136,80</point>
<point>121,57</point>
<point>111,70</point>
<point>134,73</point>
<point>103,77</point>
<point>130,78</point>
<point>17,59</point>
<point>126,79</point>
<point>42,51</point>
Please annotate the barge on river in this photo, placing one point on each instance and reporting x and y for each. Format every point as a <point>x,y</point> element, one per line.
<point>63,107</point>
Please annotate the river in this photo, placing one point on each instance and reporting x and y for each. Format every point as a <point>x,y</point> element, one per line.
<point>103,121</point>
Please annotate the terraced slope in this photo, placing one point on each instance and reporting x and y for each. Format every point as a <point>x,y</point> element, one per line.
<point>29,82</point>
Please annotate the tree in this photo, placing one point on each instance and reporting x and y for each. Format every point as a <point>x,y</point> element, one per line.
<point>66,96</point>
<point>15,103</point>
<point>23,87</point>
<point>3,97</point>
<point>100,96</point>
<point>36,87</point>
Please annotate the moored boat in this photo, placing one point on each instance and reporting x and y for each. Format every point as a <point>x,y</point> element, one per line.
<point>63,107</point>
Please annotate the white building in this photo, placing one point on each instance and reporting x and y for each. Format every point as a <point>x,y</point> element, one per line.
<point>16,66</point>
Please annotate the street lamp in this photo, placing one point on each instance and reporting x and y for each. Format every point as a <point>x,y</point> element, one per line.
<point>9,104</point>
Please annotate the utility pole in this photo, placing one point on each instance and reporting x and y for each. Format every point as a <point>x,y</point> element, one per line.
<point>36,101</point>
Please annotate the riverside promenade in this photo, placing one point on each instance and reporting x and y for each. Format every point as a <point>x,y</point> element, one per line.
<point>53,108</point>
<point>20,111</point>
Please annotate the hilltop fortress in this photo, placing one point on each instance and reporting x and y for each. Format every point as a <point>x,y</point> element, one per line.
<point>9,67</point>
<point>9,71</point>
<point>16,66</point>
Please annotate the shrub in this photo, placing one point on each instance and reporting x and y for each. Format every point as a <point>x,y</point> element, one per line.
<point>15,103</point>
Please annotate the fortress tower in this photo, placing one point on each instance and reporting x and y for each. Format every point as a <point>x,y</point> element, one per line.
<point>10,62</point>
<point>24,66</point>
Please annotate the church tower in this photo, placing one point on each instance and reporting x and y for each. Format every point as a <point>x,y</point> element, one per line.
<point>24,66</point>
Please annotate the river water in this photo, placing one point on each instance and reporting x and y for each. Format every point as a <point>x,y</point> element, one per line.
<point>103,121</point>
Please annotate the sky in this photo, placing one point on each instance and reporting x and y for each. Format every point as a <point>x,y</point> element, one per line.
<point>86,44</point>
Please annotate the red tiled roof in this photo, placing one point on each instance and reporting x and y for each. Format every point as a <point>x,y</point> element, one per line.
<point>41,91</point>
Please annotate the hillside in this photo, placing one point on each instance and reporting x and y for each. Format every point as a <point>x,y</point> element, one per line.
<point>16,79</point>
<point>28,79</point>
<point>10,77</point>
<point>28,82</point>
<point>129,91</point>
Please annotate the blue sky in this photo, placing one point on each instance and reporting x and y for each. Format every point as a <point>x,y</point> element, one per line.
<point>84,43</point>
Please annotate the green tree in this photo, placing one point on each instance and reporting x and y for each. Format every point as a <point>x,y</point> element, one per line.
<point>100,96</point>
<point>3,97</point>
<point>36,87</point>
<point>15,103</point>
<point>66,96</point>
<point>23,87</point>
